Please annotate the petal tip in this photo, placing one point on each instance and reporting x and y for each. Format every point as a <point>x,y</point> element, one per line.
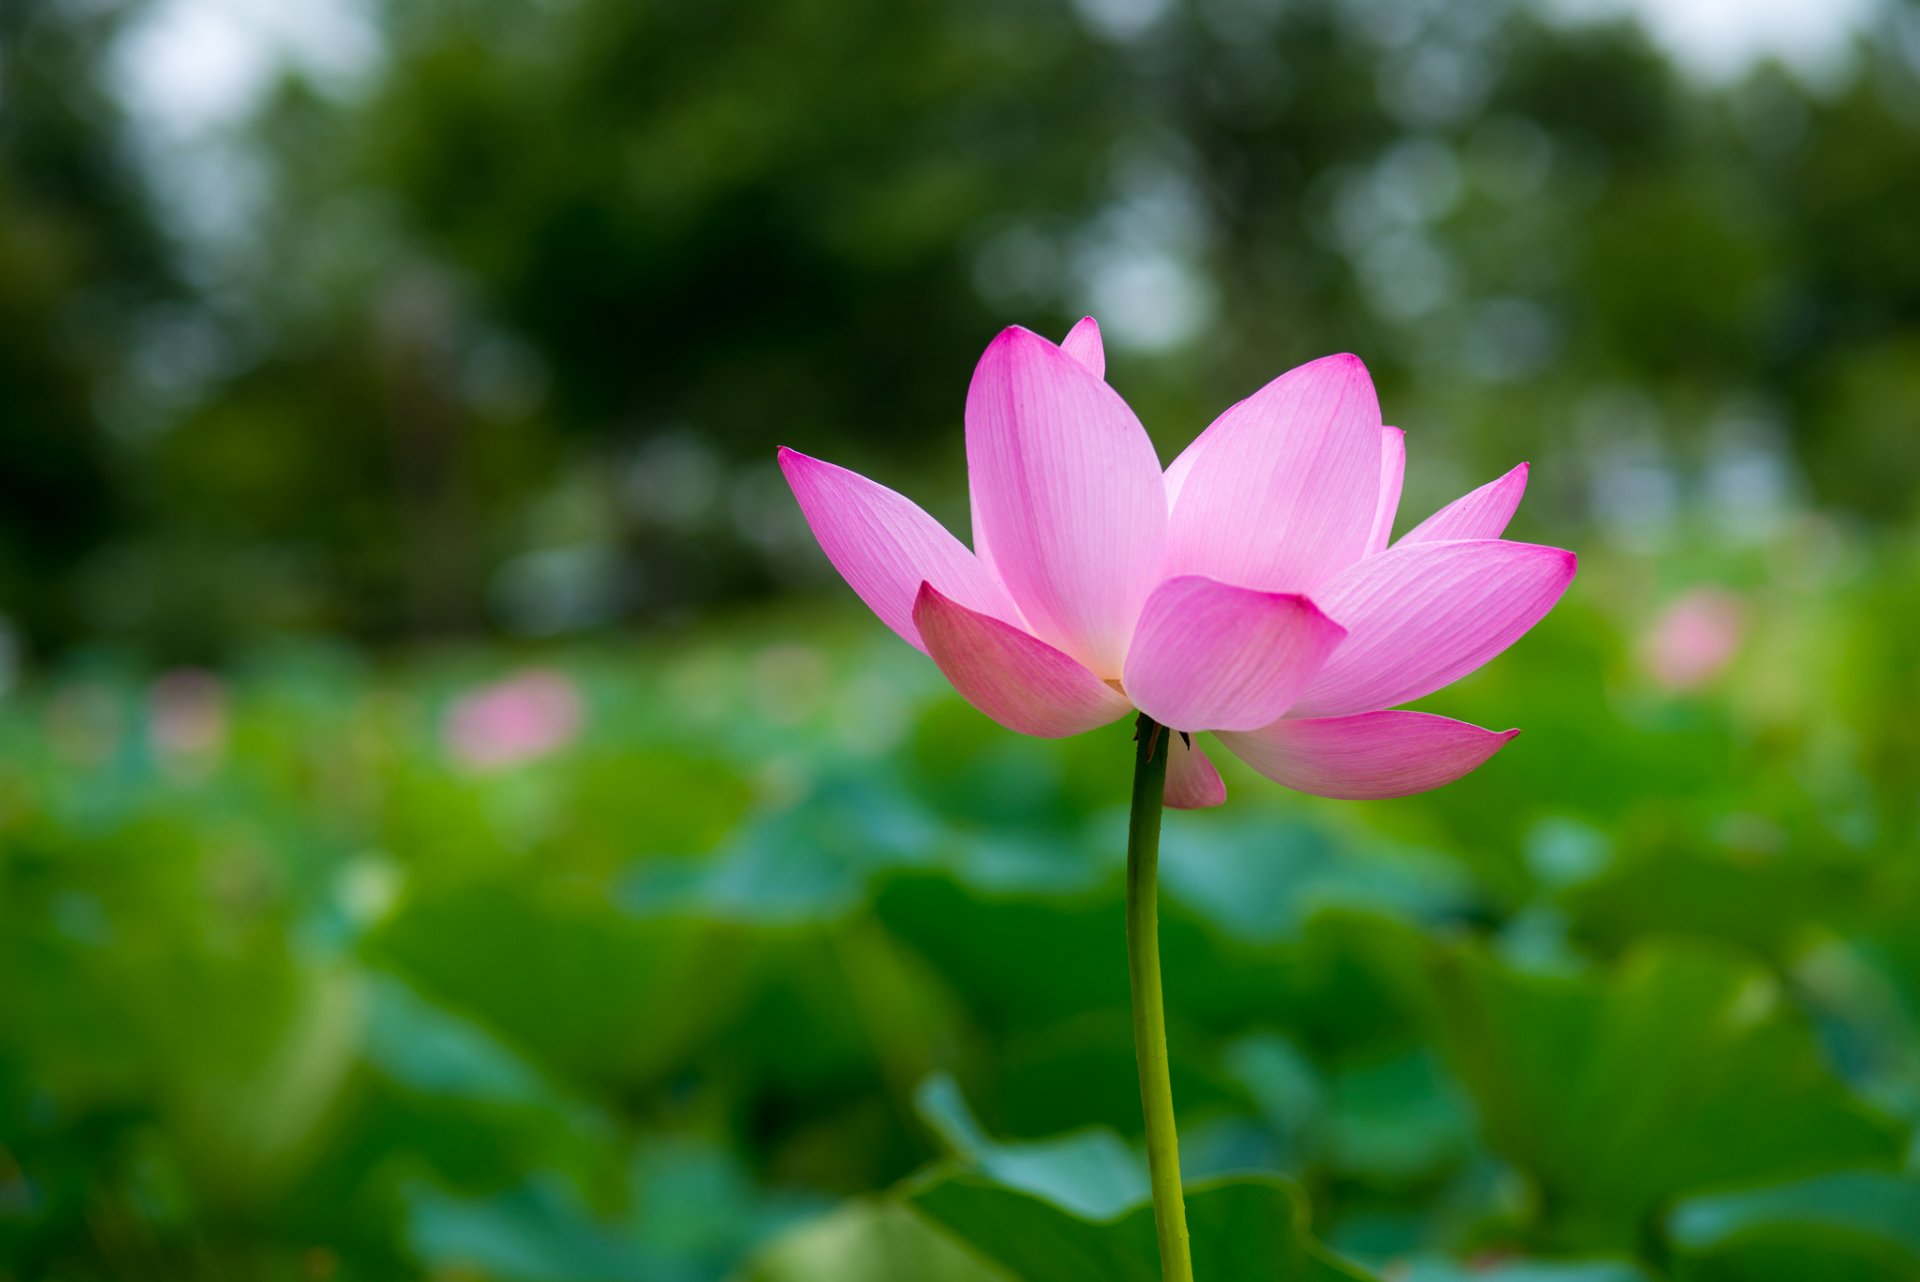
<point>792,462</point>
<point>1563,559</point>
<point>1016,334</point>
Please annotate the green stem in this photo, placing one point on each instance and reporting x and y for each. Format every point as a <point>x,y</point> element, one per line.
<point>1149,1017</point>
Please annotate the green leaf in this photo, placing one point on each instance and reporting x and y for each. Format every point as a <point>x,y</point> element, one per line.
<point>569,979</point>
<point>1524,1270</point>
<point>1849,1226</point>
<point>1076,1207</point>
<point>1091,1172</point>
<point>1243,1229</point>
<point>868,1242</point>
<point>1680,1071</point>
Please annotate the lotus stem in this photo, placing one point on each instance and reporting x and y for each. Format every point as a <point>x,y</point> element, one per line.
<point>1151,747</point>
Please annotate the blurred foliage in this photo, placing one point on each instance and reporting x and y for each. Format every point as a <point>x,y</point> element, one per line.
<point>785,965</point>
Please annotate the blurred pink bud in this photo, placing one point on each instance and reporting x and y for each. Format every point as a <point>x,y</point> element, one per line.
<point>526,716</point>
<point>187,715</point>
<point>1694,638</point>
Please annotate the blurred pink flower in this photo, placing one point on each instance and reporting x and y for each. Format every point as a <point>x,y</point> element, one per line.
<point>187,716</point>
<point>1694,638</point>
<point>1249,589</point>
<point>526,716</point>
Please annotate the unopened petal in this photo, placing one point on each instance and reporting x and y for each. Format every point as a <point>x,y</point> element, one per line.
<point>1280,493</point>
<point>1083,344</point>
<point>1483,514</point>
<point>1393,474</point>
<point>1067,492</point>
<point>1368,756</point>
<point>1422,615</point>
<point>1211,656</point>
<point>885,546</point>
<point>1192,781</point>
<point>1021,682</point>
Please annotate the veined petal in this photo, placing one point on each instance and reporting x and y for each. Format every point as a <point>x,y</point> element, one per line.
<point>885,546</point>
<point>1372,755</point>
<point>1422,615</point>
<point>1483,514</point>
<point>1393,474</point>
<point>1192,781</point>
<point>1023,683</point>
<point>1083,344</point>
<point>1211,656</point>
<point>1280,492</point>
<point>1068,494</point>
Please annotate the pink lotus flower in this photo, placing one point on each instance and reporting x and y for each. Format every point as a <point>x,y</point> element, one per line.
<point>1694,639</point>
<point>187,716</point>
<point>1248,590</point>
<point>535,712</point>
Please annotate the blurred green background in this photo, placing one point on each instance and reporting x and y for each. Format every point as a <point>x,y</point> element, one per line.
<point>453,824</point>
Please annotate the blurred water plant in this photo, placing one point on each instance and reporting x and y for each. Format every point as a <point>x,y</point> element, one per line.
<point>874,883</point>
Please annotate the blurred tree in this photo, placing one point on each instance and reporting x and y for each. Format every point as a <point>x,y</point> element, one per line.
<point>524,309</point>
<point>81,262</point>
<point>613,255</point>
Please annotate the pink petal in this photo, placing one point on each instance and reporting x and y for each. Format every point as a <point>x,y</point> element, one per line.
<point>884,546</point>
<point>1210,656</point>
<point>1024,684</point>
<point>1192,782</point>
<point>1083,344</point>
<point>980,548</point>
<point>1280,492</point>
<point>1068,493</point>
<point>1393,472</point>
<point>1482,514</point>
<point>1422,615</point>
<point>1177,472</point>
<point>1374,754</point>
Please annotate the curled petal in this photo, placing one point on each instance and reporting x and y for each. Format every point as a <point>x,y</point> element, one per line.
<point>1483,514</point>
<point>1372,755</point>
<point>1393,474</point>
<point>1210,656</point>
<point>1067,492</point>
<point>885,546</point>
<point>1023,683</point>
<point>1422,615</point>
<point>1192,782</point>
<point>1281,491</point>
<point>1083,344</point>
